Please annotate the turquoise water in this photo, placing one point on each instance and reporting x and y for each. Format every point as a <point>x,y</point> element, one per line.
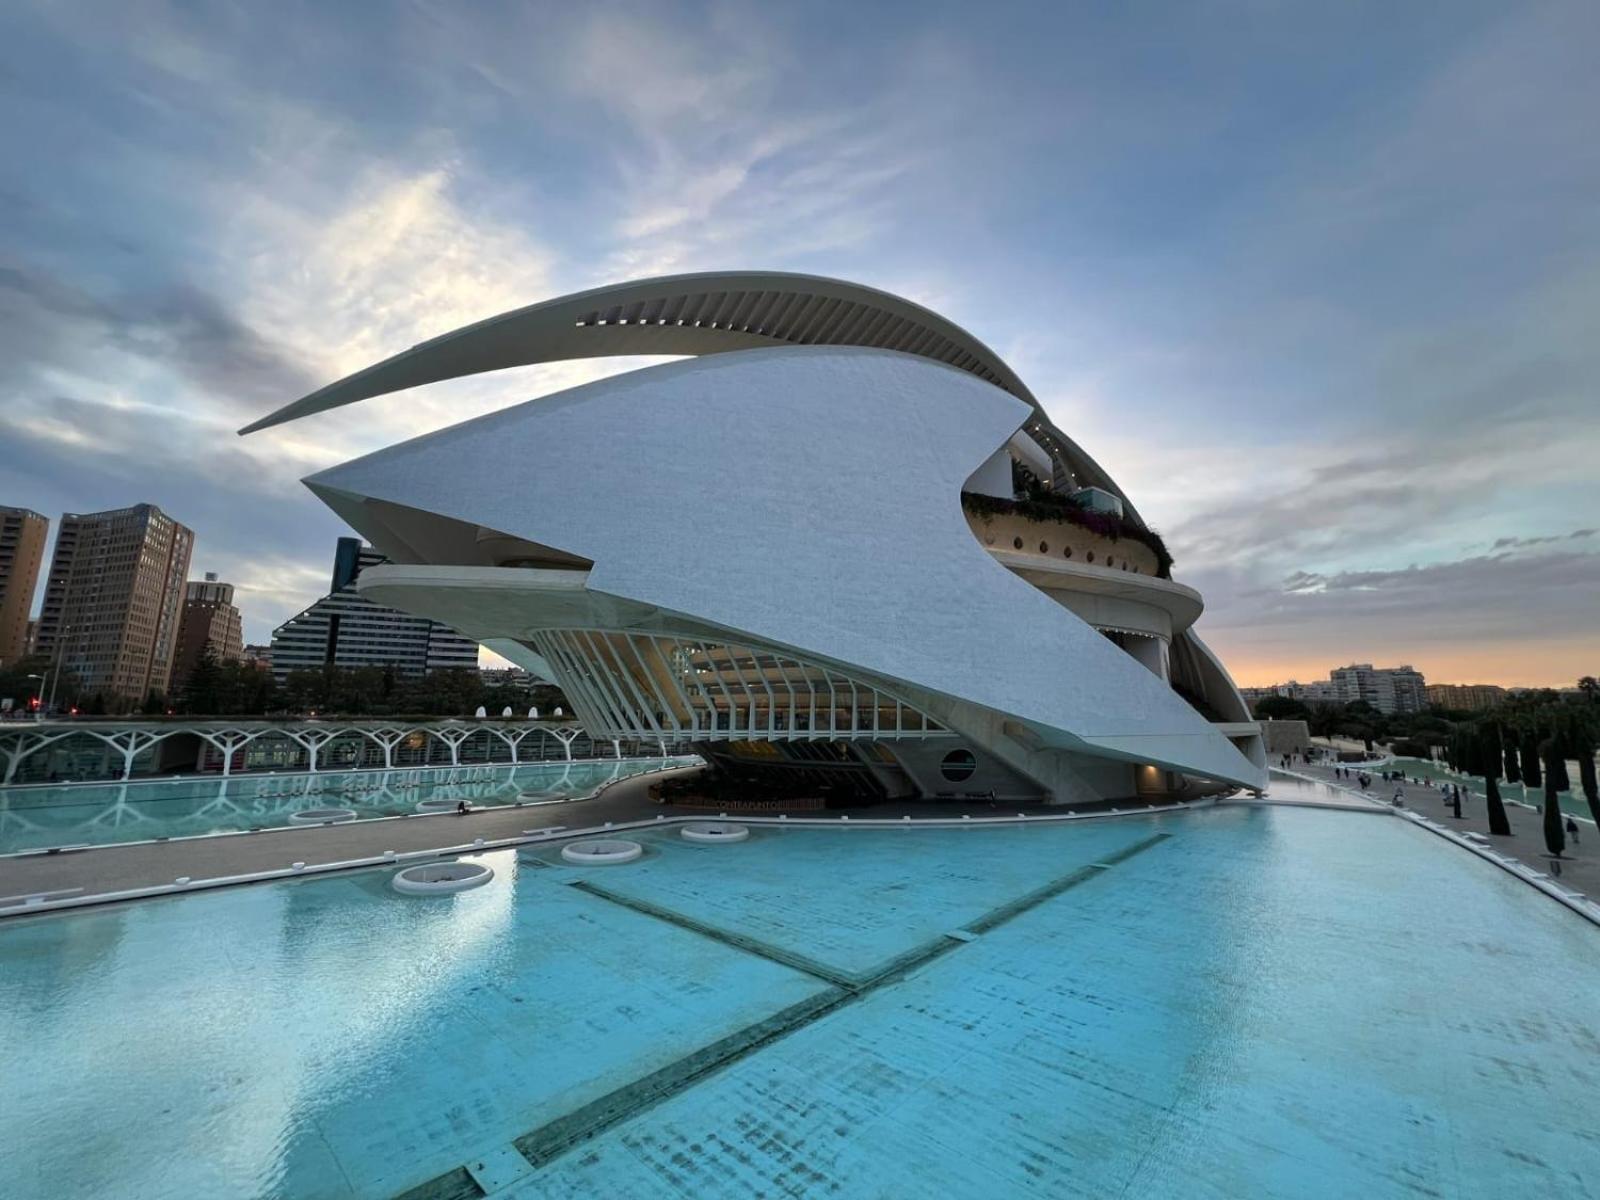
<point>96,814</point>
<point>1228,1003</point>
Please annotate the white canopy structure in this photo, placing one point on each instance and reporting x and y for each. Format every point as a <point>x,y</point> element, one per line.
<point>797,551</point>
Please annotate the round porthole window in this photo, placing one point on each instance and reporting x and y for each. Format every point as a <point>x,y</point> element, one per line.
<point>1044,547</point>
<point>1089,556</point>
<point>1067,553</point>
<point>1016,543</point>
<point>958,765</point>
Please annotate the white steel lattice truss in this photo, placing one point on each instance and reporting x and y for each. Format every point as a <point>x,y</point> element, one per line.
<point>632,685</point>
<point>22,740</point>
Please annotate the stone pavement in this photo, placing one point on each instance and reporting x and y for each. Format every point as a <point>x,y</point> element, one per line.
<point>1579,866</point>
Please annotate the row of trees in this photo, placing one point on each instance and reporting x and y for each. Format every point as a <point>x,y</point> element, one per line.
<point>236,689</point>
<point>1361,722</point>
<point>227,688</point>
<point>1530,741</point>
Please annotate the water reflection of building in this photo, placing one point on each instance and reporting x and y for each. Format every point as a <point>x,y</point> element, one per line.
<point>98,814</point>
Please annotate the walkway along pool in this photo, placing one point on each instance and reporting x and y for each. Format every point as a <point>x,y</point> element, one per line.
<point>96,814</point>
<point>1241,1001</point>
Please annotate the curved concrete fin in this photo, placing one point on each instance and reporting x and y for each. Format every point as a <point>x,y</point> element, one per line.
<point>809,498</point>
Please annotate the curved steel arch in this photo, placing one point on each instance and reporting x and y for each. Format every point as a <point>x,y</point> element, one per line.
<point>691,315</point>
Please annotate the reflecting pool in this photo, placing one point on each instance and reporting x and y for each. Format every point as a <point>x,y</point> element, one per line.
<point>100,813</point>
<point>1243,1001</point>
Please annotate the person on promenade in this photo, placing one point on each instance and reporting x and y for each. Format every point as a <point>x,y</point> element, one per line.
<point>1572,831</point>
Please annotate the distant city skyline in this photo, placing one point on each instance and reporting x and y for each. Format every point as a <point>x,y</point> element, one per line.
<point>1325,312</point>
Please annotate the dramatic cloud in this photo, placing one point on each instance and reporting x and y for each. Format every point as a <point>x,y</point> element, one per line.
<point>1318,290</point>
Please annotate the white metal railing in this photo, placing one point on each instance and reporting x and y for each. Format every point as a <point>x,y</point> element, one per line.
<point>389,745</point>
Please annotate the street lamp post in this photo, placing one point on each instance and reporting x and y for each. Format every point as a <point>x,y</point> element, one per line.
<point>55,678</point>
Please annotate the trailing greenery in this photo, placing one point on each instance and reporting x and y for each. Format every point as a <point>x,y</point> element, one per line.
<point>1033,501</point>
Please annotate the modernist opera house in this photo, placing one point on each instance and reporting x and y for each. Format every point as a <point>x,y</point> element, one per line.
<point>838,539</point>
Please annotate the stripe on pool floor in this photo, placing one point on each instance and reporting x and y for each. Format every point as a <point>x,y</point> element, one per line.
<point>552,1139</point>
<point>739,941</point>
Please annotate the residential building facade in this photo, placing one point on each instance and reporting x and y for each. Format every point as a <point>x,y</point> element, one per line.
<point>209,620</point>
<point>1465,697</point>
<point>1387,689</point>
<point>345,629</point>
<point>22,538</point>
<point>114,597</point>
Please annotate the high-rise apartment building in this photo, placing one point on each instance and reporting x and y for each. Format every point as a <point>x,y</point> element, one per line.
<point>1387,689</point>
<point>345,629</point>
<point>114,597</point>
<point>209,619</point>
<point>22,537</point>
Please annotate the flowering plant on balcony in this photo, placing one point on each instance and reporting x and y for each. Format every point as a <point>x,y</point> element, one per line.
<point>1034,501</point>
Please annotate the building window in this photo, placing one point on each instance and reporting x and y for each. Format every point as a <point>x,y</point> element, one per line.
<point>958,765</point>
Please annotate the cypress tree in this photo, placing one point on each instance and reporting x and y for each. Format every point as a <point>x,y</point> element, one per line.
<point>1489,755</point>
<point>1528,745</point>
<point>1555,765</point>
<point>1591,793</point>
<point>1555,834</point>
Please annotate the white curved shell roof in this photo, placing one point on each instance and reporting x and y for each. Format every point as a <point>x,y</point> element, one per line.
<point>696,314</point>
<point>805,497</point>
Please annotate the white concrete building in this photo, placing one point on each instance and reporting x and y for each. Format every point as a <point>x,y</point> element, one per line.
<point>838,540</point>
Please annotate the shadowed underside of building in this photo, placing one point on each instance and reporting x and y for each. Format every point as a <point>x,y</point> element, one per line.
<point>841,550</point>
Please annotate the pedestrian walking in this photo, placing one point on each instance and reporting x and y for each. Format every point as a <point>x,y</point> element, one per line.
<point>1572,831</point>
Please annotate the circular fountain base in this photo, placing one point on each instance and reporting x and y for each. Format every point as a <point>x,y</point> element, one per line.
<point>601,851</point>
<point>709,832</point>
<point>441,879</point>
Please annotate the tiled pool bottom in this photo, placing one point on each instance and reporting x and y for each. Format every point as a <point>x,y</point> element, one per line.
<point>100,814</point>
<point>1264,1002</point>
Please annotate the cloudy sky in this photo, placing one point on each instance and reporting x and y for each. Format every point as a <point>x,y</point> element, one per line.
<point>1319,284</point>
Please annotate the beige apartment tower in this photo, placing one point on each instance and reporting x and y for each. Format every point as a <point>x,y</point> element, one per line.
<point>209,619</point>
<point>114,599</point>
<point>22,536</point>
